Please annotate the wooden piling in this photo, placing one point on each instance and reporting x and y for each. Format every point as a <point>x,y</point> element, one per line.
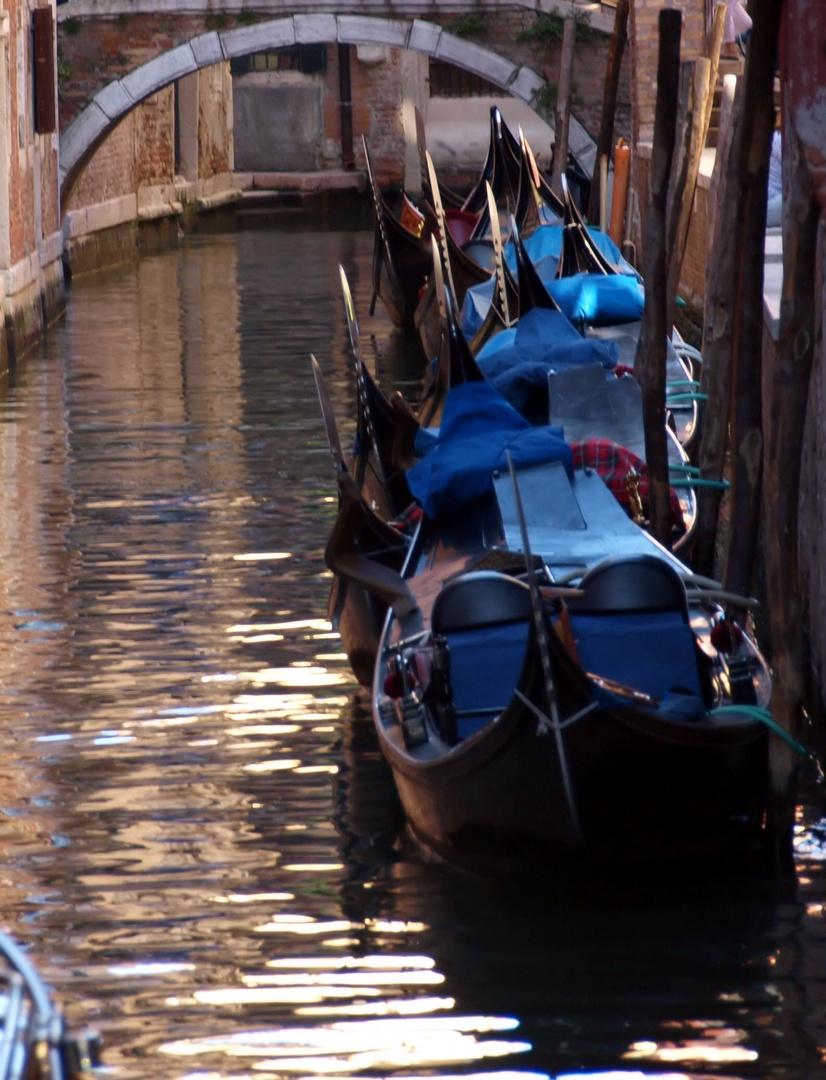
<point>718,328</point>
<point>649,363</point>
<point>619,36</point>
<point>747,384</point>
<point>684,187</point>
<point>787,400</point>
<point>622,168</point>
<point>562,116</point>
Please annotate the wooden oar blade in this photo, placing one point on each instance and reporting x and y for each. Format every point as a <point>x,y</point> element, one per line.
<point>421,142</point>
<point>328,416</point>
<point>440,217</point>
<point>350,312</point>
<point>439,281</point>
<point>498,253</point>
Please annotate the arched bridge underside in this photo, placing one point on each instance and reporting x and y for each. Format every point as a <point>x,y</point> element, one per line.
<point>110,104</point>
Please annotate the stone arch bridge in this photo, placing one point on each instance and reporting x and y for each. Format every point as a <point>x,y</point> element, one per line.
<point>114,54</point>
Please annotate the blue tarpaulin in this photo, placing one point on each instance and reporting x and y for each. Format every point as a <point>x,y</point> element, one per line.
<point>598,299</point>
<point>543,247</point>
<point>517,360</point>
<point>478,430</point>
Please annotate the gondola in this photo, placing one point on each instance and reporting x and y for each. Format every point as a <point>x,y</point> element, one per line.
<point>549,679</point>
<point>586,276</point>
<point>35,1042</point>
<point>401,253</point>
<point>374,494</point>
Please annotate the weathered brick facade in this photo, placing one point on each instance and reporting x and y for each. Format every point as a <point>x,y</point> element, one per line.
<point>643,36</point>
<point>30,244</point>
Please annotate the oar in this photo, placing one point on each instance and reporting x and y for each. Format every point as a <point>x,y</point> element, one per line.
<point>421,141</point>
<point>544,654</point>
<point>350,312</point>
<point>328,416</point>
<point>440,217</point>
<point>362,370</point>
<point>526,146</point>
<point>498,253</point>
<point>378,205</point>
<point>439,284</point>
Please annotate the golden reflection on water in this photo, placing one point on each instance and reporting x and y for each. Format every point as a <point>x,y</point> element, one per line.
<point>189,800</point>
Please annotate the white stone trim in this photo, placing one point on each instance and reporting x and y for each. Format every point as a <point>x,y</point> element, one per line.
<point>99,216</point>
<point>20,276</point>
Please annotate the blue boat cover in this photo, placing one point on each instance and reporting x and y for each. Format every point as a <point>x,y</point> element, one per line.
<point>517,360</point>
<point>485,665</point>
<point>547,241</point>
<point>598,299</point>
<point>663,659</point>
<point>543,247</point>
<point>478,429</point>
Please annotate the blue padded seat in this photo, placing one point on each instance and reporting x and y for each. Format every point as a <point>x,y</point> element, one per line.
<point>485,617</point>
<point>632,626</point>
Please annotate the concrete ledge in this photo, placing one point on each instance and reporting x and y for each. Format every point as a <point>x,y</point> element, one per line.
<point>309,182</point>
<point>50,249</point>
<point>221,198</point>
<point>20,276</point>
<point>155,210</point>
<point>214,185</point>
<point>99,216</point>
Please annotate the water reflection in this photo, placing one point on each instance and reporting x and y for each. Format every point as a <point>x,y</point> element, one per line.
<point>202,845</point>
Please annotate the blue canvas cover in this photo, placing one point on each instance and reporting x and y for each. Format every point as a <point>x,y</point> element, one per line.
<point>478,429</point>
<point>598,299</point>
<point>547,242</point>
<point>485,665</point>
<point>650,651</point>
<point>543,247</point>
<point>517,360</point>
<point>475,306</point>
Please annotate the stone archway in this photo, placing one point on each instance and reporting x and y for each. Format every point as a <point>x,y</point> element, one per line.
<point>114,101</point>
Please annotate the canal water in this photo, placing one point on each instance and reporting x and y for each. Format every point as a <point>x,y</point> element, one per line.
<point>201,845</point>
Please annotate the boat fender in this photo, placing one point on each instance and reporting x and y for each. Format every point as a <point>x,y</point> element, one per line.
<point>439,692</point>
<point>402,686</point>
<point>729,640</point>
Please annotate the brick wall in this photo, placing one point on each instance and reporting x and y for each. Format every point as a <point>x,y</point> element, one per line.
<point>214,121</point>
<point>140,152</point>
<point>155,139</point>
<point>377,81</point>
<point>643,36</point>
<point>32,175</point>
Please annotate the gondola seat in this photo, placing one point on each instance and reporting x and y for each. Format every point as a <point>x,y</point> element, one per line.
<point>632,626</point>
<point>485,617</point>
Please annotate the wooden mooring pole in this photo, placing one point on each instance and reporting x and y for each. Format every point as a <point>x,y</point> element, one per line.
<point>684,184</point>
<point>562,116</point>
<point>718,328</point>
<point>649,363</point>
<point>605,139</point>
<point>788,381</point>
<point>747,382</point>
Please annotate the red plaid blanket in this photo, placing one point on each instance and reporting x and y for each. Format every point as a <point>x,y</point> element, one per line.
<point>613,463</point>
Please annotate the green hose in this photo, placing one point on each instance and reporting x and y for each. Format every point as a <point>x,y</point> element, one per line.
<point>764,717</point>
<point>700,482</point>
<point>686,397</point>
<point>689,470</point>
